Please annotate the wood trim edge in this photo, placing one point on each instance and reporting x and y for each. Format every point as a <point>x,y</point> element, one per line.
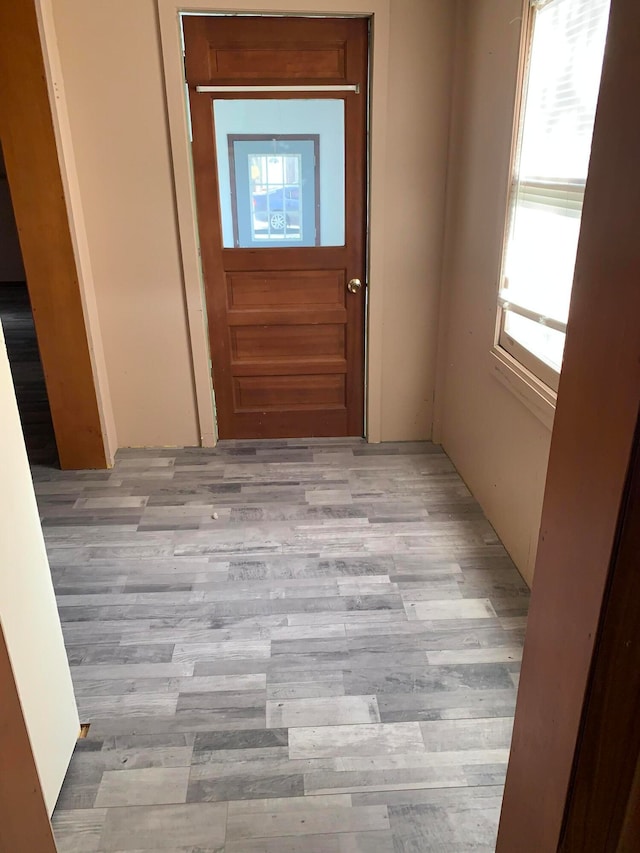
<point>24,823</point>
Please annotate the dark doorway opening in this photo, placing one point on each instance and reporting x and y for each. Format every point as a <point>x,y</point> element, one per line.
<point>20,337</point>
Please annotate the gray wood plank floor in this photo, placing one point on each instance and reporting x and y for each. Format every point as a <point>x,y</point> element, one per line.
<point>283,647</point>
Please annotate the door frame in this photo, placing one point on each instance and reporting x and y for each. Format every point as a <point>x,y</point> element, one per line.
<point>378,11</point>
<point>37,153</point>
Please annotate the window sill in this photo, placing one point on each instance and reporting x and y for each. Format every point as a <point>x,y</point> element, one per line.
<point>536,396</point>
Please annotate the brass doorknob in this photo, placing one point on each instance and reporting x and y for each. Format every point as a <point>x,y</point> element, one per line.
<point>354,285</point>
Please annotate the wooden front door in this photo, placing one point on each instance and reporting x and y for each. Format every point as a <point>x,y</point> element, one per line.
<point>278,111</point>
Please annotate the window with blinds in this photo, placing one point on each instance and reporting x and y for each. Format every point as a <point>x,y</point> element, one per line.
<point>557,113</point>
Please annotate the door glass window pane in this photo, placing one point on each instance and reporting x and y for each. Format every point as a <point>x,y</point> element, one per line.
<point>281,172</point>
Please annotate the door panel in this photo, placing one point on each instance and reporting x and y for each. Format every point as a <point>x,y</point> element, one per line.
<point>280,189</point>
<point>286,290</point>
<point>262,343</point>
<point>292,392</point>
<point>287,64</point>
<point>269,51</point>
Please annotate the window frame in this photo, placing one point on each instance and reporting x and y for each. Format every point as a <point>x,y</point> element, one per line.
<point>546,374</point>
<point>533,370</point>
<point>313,138</point>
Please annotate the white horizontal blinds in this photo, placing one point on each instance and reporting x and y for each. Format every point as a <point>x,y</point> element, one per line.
<point>564,79</point>
<point>553,159</point>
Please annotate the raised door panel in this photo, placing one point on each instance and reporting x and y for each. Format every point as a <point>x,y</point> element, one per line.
<point>258,62</point>
<point>291,343</point>
<point>285,289</point>
<point>265,393</point>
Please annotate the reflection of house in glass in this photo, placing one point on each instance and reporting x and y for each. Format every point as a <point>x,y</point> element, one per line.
<point>276,195</point>
<point>275,189</point>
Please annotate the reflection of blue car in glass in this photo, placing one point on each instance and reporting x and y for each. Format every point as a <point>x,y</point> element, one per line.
<point>279,207</point>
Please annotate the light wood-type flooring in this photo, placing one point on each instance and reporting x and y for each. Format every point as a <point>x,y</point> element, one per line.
<point>283,647</point>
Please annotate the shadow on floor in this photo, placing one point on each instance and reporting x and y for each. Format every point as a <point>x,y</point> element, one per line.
<point>28,376</point>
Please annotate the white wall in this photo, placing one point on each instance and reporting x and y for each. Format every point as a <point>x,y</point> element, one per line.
<point>498,445</point>
<point>28,611</point>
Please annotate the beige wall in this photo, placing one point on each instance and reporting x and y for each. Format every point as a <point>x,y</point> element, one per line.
<point>111,68</point>
<point>28,611</point>
<point>498,445</point>
<point>155,352</point>
<point>420,71</point>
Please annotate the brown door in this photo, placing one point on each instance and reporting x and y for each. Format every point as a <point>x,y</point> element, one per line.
<point>278,111</point>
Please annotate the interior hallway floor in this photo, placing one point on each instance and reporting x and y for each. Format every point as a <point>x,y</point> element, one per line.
<point>28,377</point>
<point>283,647</point>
